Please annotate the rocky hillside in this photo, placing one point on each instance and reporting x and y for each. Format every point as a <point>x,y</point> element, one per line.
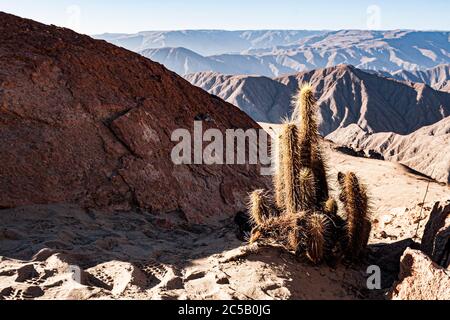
<point>85,122</point>
<point>427,150</point>
<point>346,96</point>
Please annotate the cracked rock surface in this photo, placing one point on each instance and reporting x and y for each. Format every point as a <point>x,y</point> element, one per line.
<point>85,122</point>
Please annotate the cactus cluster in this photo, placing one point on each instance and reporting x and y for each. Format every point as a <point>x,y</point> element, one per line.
<point>300,214</point>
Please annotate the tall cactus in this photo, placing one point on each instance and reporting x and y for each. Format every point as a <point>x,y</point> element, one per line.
<point>311,155</point>
<point>319,169</point>
<point>290,167</point>
<point>278,175</point>
<point>304,117</point>
<point>308,199</point>
<point>354,197</point>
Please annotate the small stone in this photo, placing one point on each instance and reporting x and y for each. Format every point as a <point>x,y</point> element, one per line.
<point>222,279</point>
<point>386,219</point>
<point>174,284</point>
<point>194,275</point>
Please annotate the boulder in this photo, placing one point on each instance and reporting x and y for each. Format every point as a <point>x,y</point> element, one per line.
<point>421,279</point>
<point>88,123</point>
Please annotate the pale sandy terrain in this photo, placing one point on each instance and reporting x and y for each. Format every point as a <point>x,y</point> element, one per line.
<point>141,256</point>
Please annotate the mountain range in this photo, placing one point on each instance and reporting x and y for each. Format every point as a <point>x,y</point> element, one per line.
<point>382,89</point>
<point>277,53</point>
<point>346,95</point>
<point>208,42</point>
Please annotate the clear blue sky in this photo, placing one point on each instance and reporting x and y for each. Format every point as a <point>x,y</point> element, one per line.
<point>128,16</point>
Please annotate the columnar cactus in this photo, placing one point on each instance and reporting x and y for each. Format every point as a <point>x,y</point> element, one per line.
<point>303,217</point>
<point>354,197</point>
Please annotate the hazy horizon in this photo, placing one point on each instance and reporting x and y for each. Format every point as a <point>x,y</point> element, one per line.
<point>294,30</point>
<point>101,16</point>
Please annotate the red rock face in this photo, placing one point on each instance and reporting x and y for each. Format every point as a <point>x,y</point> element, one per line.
<point>85,122</point>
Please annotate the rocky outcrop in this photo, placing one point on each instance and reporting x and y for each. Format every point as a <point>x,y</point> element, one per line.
<point>436,237</point>
<point>85,122</point>
<point>421,279</point>
<point>425,274</point>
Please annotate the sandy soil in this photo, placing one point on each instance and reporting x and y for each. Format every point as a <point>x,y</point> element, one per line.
<point>142,256</point>
<point>134,257</point>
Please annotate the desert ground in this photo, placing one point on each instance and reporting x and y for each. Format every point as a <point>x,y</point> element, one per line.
<point>142,256</point>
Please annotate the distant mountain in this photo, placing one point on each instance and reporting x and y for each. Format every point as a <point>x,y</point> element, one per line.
<point>264,99</point>
<point>374,50</point>
<point>426,150</point>
<point>438,77</point>
<point>184,61</point>
<point>278,53</point>
<point>207,42</point>
<point>346,95</point>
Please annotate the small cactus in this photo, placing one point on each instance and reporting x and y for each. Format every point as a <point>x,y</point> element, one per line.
<point>304,218</point>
